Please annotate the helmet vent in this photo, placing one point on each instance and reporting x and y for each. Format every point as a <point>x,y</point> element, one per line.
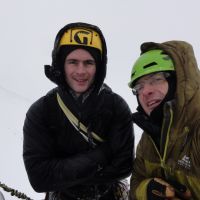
<point>133,74</point>
<point>150,64</point>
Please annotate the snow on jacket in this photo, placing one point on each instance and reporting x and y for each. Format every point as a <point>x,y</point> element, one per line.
<point>180,159</point>
<point>58,158</point>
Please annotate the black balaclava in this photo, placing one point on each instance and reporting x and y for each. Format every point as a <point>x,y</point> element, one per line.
<point>54,71</point>
<point>66,50</point>
<point>152,124</point>
<point>156,115</point>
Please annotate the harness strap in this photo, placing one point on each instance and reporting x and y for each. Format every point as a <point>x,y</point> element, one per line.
<point>75,122</point>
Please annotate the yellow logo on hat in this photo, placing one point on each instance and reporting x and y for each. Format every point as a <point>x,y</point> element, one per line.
<point>81,36</point>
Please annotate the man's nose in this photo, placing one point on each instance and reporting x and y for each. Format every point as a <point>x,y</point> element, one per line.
<point>147,89</point>
<point>81,67</point>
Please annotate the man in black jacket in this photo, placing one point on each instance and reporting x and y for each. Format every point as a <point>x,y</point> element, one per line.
<point>78,138</point>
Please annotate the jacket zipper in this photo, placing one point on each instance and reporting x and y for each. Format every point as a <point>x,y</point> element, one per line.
<point>163,158</point>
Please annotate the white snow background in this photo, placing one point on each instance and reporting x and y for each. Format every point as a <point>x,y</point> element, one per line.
<point>28,29</point>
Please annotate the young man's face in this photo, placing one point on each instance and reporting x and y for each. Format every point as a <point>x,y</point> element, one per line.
<point>152,90</point>
<point>80,69</point>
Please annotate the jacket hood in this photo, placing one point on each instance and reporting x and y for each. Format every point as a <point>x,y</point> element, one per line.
<point>56,73</point>
<point>187,93</point>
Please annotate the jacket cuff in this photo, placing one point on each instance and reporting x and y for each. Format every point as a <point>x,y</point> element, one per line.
<point>141,191</point>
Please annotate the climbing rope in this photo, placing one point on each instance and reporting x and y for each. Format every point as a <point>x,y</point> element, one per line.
<point>14,192</point>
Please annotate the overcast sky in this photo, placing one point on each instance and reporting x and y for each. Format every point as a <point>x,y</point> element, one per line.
<point>28,29</point>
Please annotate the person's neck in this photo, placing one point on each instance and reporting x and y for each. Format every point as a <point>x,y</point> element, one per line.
<point>81,97</point>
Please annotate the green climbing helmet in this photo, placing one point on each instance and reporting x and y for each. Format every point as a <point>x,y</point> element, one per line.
<point>150,62</point>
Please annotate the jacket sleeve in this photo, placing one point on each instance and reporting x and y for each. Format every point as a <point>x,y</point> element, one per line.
<point>139,179</point>
<point>120,144</point>
<point>46,171</point>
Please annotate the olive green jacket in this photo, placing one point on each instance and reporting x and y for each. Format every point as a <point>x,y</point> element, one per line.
<point>180,157</point>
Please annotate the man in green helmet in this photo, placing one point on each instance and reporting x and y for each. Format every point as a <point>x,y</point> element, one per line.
<point>165,80</point>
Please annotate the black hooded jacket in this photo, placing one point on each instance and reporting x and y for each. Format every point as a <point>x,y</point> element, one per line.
<point>58,158</point>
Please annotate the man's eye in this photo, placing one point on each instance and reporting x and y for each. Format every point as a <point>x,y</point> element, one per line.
<point>71,62</point>
<point>158,79</point>
<point>90,62</point>
<point>139,87</point>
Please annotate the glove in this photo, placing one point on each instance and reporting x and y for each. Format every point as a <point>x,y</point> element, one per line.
<point>158,189</point>
<point>181,191</point>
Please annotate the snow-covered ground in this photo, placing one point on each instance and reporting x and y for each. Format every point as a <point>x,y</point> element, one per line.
<point>12,172</point>
<point>28,29</point>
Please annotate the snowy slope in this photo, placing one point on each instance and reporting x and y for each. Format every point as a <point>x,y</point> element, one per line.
<point>12,172</point>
